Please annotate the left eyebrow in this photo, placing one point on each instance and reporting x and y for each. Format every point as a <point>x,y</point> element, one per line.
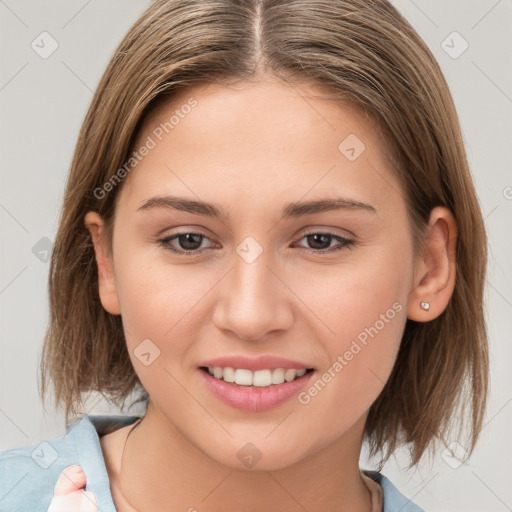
<point>323,205</point>
<point>297,209</point>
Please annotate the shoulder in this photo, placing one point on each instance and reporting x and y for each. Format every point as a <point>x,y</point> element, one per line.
<point>393,498</point>
<point>28,475</point>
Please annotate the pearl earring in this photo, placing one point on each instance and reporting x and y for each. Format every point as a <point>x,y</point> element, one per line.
<point>425,305</point>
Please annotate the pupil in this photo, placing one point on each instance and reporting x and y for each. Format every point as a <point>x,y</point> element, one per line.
<point>315,238</point>
<point>186,238</point>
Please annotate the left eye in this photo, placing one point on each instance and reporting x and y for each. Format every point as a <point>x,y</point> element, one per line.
<point>191,242</point>
<point>322,239</point>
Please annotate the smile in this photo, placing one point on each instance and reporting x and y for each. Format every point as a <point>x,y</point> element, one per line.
<point>254,385</point>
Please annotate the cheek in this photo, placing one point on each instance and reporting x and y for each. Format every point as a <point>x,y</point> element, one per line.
<point>365,306</point>
<point>350,297</point>
<point>151,293</point>
<point>162,302</point>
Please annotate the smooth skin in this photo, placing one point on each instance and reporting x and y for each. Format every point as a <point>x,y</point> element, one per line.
<point>251,149</point>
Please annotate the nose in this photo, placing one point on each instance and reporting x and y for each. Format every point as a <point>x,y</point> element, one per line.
<point>254,300</point>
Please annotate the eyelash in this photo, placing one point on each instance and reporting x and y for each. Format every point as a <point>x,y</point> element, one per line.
<point>347,243</point>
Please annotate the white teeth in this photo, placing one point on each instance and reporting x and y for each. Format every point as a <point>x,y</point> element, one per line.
<point>262,378</point>
<point>229,374</point>
<point>289,375</point>
<point>278,376</point>
<point>243,377</point>
<point>258,378</point>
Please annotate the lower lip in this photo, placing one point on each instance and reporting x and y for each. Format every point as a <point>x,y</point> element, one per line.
<point>254,398</point>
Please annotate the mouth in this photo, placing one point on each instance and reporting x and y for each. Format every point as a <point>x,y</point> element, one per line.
<point>254,385</point>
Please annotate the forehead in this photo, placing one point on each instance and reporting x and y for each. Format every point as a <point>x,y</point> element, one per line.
<point>259,139</point>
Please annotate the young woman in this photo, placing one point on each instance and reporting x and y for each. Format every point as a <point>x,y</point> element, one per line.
<point>271,233</point>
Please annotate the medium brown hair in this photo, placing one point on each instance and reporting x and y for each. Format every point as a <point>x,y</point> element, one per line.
<point>361,51</point>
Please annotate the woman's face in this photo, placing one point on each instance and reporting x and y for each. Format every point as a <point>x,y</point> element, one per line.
<point>269,278</point>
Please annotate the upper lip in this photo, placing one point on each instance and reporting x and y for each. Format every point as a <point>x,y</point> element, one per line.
<point>254,363</point>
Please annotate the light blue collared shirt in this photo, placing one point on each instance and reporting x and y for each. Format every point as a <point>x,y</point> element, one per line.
<point>28,475</point>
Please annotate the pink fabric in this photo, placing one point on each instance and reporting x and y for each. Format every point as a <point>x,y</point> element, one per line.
<point>70,495</point>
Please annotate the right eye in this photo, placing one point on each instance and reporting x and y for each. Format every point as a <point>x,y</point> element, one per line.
<point>190,243</point>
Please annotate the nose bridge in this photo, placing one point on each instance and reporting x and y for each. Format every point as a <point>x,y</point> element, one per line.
<point>255,301</point>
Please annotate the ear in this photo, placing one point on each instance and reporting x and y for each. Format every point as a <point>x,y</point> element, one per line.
<point>434,277</point>
<point>106,283</point>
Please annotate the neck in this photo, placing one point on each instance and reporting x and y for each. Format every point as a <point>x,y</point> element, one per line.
<point>161,470</point>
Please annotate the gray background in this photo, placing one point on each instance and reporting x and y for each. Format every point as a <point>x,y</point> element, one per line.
<point>43,102</point>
